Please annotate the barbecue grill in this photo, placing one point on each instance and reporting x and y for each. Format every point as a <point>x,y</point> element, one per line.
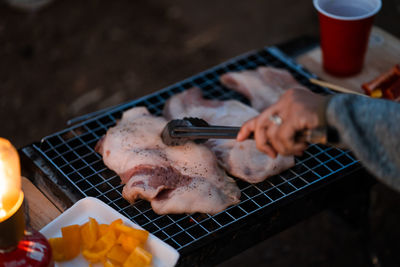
<point>66,168</point>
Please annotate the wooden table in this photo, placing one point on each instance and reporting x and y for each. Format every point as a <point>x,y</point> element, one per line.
<point>383,53</point>
<point>40,209</point>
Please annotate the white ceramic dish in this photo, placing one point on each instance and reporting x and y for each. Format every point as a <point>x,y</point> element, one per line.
<point>163,254</point>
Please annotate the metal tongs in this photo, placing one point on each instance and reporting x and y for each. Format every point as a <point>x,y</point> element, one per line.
<point>178,132</point>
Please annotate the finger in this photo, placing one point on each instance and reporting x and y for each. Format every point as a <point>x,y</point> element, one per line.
<point>264,117</point>
<point>293,148</point>
<point>298,148</point>
<point>246,129</point>
<point>298,153</point>
<point>286,138</point>
<point>274,139</point>
<point>267,149</point>
<point>262,141</point>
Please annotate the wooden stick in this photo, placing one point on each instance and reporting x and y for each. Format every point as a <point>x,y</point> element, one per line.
<point>334,87</point>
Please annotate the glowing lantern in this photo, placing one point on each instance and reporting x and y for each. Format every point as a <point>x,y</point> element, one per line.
<point>18,246</point>
<point>11,195</point>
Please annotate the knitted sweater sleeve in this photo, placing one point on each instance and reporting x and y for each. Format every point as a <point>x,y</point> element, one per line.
<point>371,129</point>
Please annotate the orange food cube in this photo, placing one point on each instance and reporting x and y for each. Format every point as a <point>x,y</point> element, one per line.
<point>127,242</point>
<point>89,233</point>
<point>72,241</point>
<point>118,254</point>
<point>116,222</point>
<point>57,248</point>
<point>101,247</point>
<point>110,263</point>
<point>138,234</point>
<point>143,254</point>
<point>109,238</point>
<point>93,256</point>
<point>103,229</point>
<point>138,258</point>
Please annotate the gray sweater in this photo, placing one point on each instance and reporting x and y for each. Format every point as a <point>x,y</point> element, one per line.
<point>371,129</point>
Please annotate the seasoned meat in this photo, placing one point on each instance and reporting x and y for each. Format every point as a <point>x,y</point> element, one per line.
<point>262,86</point>
<point>181,179</point>
<point>240,159</point>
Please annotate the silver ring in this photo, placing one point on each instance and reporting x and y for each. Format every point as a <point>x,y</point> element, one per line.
<point>275,119</point>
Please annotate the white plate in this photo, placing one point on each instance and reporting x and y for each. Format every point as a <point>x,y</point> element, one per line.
<point>163,254</point>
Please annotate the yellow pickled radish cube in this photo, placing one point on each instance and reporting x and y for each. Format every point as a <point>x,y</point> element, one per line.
<point>103,229</point>
<point>127,242</point>
<point>143,254</point>
<point>123,228</point>
<point>100,249</point>
<point>57,248</point>
<point>116,222</point>
<point>109,238</point>
<point>117,254</point>
<point>72,241</point>
<point>111,263</point>
<point>138,258</point>
<point>138,234</point>
<point>89,233</point>
<point>106,242</point>
<point>94,257</point>
<point>134,262</point>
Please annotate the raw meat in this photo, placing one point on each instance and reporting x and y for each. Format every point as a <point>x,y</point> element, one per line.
<point>181,179</point>
<point>240,159</point>
<point>262,86</point>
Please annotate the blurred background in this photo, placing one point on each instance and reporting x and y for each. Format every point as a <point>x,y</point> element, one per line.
<point>60,59</point>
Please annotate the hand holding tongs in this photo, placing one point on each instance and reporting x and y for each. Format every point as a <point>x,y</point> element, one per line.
<point>178,132</point>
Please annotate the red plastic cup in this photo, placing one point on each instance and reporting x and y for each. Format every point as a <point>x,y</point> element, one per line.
<point>345,26</point>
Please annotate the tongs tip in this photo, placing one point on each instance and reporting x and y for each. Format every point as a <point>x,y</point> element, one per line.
<point>170,135</point>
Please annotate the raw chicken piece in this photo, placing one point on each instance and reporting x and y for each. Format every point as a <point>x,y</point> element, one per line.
<point>181,179</point>
<point>240,159</point>
<point>262,86</point>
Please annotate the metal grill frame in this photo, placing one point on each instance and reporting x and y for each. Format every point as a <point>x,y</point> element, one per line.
<point>71,153</point>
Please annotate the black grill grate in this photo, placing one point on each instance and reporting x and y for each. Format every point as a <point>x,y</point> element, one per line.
<point>71,152</point>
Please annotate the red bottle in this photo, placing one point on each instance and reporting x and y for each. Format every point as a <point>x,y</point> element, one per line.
<point>32,251</point>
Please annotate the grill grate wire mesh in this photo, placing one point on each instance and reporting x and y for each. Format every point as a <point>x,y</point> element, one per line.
<point>71,152</point>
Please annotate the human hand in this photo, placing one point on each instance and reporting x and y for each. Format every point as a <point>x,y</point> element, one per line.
<point>297,110</point>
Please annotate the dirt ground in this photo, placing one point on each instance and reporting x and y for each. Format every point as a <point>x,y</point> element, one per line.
<point>74,57</point>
